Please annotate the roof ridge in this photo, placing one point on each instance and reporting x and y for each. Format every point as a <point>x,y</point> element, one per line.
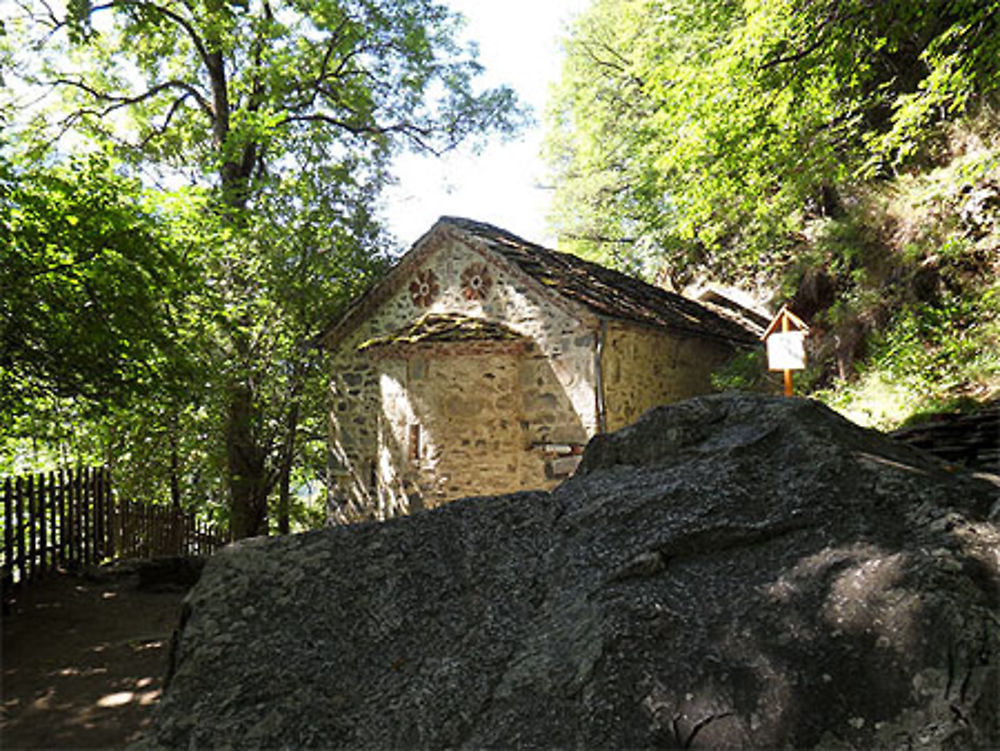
<point>576,281</point>
<point>605,290</point>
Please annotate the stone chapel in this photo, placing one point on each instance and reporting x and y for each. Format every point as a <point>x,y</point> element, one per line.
<point>482,364</point>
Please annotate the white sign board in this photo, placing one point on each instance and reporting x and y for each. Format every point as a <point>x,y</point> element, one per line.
<point>786,351</point>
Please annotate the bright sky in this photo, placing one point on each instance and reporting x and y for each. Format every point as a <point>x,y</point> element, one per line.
<point>519,45</point>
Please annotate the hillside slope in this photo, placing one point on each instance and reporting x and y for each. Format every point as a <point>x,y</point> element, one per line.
<point>915,325</point>
<point>900,281</point>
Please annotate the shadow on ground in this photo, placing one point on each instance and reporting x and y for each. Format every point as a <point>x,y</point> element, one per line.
<point>83,660</point>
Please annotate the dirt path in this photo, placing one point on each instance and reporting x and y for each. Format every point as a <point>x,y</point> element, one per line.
<point>83,661</point>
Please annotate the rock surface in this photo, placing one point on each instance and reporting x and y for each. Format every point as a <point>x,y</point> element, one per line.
<point>730,572</point>
<point>972,440</point>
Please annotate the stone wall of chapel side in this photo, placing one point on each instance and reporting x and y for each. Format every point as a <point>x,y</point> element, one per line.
<point>542,396</point>
<point>644,368</point>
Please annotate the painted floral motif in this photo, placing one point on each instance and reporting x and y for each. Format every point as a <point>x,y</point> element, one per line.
<point>424,288</point>
<point>476,281</point>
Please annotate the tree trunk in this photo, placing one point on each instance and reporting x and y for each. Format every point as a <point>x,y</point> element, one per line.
<point>247,466</point>
<point>175,465</point>
<point>176,515</point>
<point>246,457</point>
<point>287,460</point>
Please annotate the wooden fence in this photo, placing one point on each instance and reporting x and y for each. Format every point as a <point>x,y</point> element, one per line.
<point>70,518</point>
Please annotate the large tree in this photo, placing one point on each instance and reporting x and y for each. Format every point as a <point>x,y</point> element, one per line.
<point>290,111</point>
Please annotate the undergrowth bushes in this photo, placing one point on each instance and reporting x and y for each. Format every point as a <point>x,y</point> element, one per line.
<point>902,290</point>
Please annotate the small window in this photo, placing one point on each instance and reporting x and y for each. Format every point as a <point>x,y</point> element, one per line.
<point>414,443</point>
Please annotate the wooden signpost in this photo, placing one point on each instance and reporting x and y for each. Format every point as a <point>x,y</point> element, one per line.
<point>785,338</point>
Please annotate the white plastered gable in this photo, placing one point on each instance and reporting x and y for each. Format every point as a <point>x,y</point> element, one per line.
<point>435,276</point>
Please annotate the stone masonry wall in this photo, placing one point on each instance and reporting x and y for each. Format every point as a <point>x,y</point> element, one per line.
<point>450,427</point>
<point>643,368</point>
<point>485,422</point>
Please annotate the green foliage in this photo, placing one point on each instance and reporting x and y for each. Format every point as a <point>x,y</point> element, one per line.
<point>928,305</point>
<point>710,130</point>
<point>747,371</point>
<point>89,287</point>
<point>934,350</point>
<point>214,88</point>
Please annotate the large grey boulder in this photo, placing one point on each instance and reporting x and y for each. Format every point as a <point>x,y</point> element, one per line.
<point>731,572</point>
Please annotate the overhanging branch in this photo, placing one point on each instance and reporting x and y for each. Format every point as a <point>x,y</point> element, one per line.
<point>118,101</point>
<point>418,134</point>
<point>162,129</point>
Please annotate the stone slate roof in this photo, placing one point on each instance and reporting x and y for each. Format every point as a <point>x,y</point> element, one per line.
<point>445,327</point>
<point>606,292</point>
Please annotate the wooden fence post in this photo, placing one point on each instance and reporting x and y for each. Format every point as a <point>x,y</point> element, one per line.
<point>88,513</point>
<point>55,537</point>
<point>165,533</point>
<point>176,531</point>
<point>67,482</point>
<point>74,524</point>
<point>121,545</point>
<point>63,521</point>
<point>76,552</point>
<point>109,505</point>
<point>133,525</point>
<point>133,519</point>
<point>103,489</point>
<point>70,517</point>
<point>144,526</point>
<point>155,530</point>
<point>31,528</point>
<point>43,538</point>
<point>88,516</point>
<point>8,535</point>
<point>19,528</point>
<point>98,516</point>
<point>85,520</point>
<point>130,528</point>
